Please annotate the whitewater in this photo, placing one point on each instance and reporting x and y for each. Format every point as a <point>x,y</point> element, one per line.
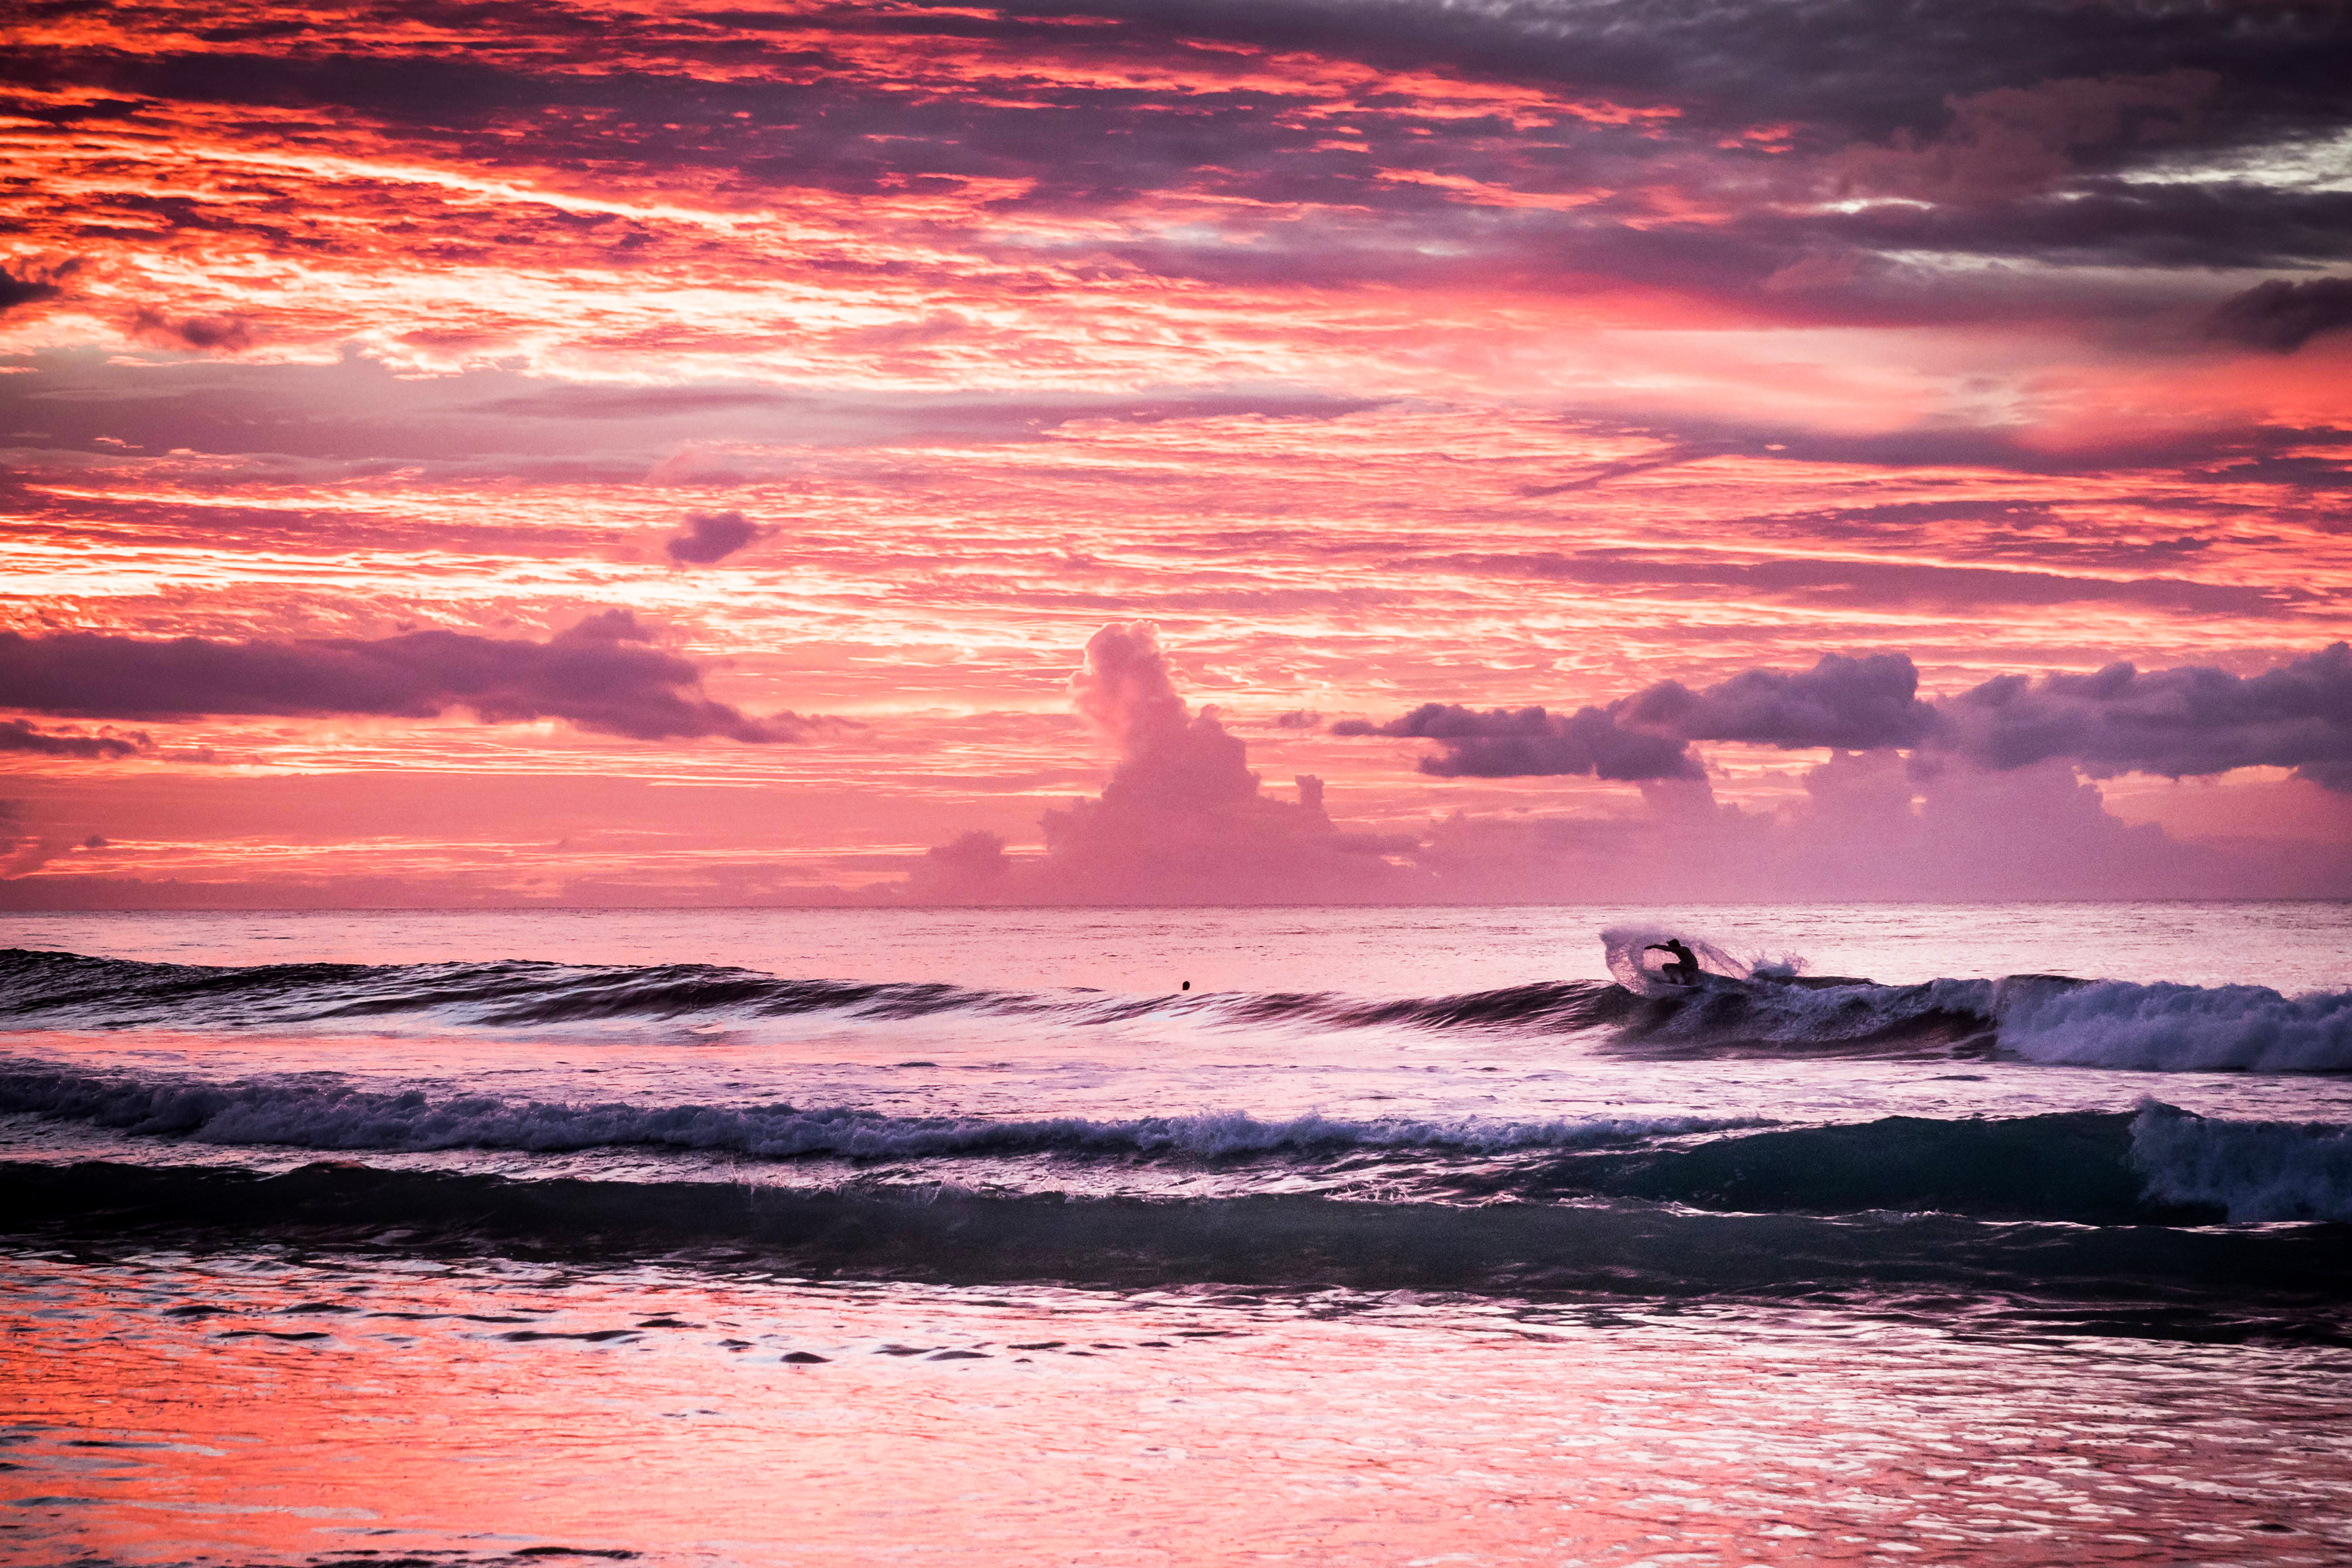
<point>389,1146</point>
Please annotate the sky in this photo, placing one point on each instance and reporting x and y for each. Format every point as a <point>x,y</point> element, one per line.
<point>1099,451</point>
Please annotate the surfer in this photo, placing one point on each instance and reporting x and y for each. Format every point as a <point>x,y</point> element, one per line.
<point>1683,968</point>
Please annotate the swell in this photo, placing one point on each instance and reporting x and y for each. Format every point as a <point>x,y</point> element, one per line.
<point>1267,1240</point>
<point>2157,1165</point>
<point>310,1115</point>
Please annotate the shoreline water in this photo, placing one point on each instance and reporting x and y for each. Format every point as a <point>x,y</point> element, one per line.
<point>491,1159</point>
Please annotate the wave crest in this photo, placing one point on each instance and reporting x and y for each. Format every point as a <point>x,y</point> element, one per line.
<point>333,1117</point>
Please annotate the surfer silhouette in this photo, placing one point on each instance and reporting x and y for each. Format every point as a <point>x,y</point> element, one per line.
<point>1683,968</point>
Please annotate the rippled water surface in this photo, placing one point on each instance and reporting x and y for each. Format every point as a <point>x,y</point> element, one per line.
<point>1400,1236</point>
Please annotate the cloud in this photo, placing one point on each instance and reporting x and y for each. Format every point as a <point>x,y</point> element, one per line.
<point>16,735</point>
<point>23,851</point>
<point>599,675</point>
<point>23,290</point>
<point>712,536</point>
<point>2281,316</point>
<point>1868,828</point>
<point>1855,704</point>
<point>2190,720</point>
<point>1511,743</point>
<point>213,332</point>
<point>1180,820</point>
<point>2011,141</point>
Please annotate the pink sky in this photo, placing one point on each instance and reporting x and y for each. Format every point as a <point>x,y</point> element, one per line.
<point>515,453</point>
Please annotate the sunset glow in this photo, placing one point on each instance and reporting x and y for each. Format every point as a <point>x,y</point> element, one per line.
<point>681,454</point>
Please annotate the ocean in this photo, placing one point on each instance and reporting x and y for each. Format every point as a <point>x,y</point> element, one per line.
<point>1900,1234</point>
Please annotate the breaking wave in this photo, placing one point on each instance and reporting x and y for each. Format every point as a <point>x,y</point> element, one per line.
<point>2160,1164</point>
<point>2250,1170</point>
<point>2180,1028</point>
<point>1734,1007</point>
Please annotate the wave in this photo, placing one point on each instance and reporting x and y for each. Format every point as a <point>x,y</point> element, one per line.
<point>2125,1278</point>
<point>2049,1019</point>
<point>310,1115</point>
<point>2180,1028</point>
<point>2158,1165</point>
<point>2250,1170</point>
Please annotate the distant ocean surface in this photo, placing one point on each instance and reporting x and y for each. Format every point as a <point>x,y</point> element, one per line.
<point>2015,1232</point>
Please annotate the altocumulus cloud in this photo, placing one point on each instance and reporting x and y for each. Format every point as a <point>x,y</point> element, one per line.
<point>599,675</point>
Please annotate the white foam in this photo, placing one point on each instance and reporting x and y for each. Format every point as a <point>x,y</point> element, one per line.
<point>2180,1028</point>
<point>2253,1170</point>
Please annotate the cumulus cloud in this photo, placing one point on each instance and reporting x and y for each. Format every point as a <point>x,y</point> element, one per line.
<point>1871,826</point>
<point>712,536</point>
<point>1510,742</point>
<point>16,735</point>
<point>2191,721</point>
<point>599,675</point>
<point>1182,819</point>
<point>1855,704</point>
<point>2281,316</point>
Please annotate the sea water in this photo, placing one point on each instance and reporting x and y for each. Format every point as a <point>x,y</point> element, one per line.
<point>1907,1234</point>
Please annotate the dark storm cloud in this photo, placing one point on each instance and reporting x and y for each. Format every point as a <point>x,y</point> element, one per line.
<point>600,675</point>
<point>16,735</point>
<point>2190,720</point>
<point>2282,316</point>
<point>711,536</point>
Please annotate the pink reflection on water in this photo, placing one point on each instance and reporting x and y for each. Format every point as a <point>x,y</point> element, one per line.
<point>258,1410</point>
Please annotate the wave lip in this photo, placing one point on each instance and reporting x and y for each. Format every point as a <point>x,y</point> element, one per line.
<point>332,1117</point>
<point>2180,1028</point>
<point>2253,1171</point>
